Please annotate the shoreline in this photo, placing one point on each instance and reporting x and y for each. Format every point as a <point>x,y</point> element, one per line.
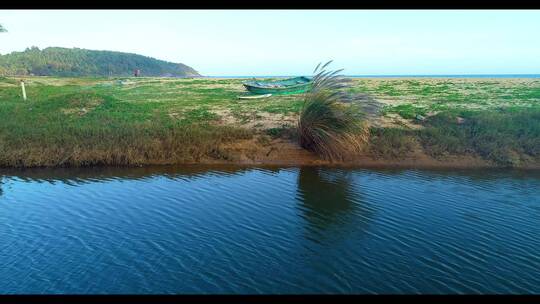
<point>282,152</point>
<point>288,153</point>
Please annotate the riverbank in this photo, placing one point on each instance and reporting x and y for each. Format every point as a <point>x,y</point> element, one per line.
<point>285,152</point>
<point>438,123</point>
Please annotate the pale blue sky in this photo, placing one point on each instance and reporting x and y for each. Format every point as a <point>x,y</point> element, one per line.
<point>278,42</point>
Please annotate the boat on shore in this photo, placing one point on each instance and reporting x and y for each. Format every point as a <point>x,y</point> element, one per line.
<point>293,85</point>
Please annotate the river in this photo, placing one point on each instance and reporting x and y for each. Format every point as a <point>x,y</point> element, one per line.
<point>248,230</point>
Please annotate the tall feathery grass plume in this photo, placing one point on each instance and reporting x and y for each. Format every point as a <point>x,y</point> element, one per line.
<point>329,124</point>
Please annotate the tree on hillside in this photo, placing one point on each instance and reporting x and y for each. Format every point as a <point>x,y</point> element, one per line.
<point>55,61</point>
<point>2,29</point>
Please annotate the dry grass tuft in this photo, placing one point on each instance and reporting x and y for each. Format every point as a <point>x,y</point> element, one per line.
<point>328,124</point>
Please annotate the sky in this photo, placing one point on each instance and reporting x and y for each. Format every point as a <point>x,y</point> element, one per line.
<point>293,42</point>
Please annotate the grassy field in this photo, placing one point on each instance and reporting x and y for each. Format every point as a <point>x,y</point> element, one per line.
<point>130,121</point>
<point>408,97</point>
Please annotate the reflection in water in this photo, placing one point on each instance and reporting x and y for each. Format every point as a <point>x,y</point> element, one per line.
<point>82,175</point>
<point>329,200</point>
<point>337,181</point>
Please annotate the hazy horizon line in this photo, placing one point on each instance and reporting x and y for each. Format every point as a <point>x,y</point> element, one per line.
<point>390,75</point>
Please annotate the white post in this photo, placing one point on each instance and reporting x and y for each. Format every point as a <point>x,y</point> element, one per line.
<point>23,90</point>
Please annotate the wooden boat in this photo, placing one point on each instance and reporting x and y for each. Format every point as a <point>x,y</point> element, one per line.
<point>279,87</point>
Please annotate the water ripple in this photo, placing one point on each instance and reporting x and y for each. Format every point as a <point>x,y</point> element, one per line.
<point>268,230</point>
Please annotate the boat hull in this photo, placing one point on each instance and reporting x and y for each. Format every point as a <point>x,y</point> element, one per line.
<point>295,85</point>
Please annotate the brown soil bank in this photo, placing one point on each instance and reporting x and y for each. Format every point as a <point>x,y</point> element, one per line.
<point>223,145</point>
<point>155,145</point>
<point>257,150</point>
<point>287,152</point>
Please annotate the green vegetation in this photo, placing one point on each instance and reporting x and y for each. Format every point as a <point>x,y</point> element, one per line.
<point>506,137</point>
<point>2,29</point>
<point>407,111</point>
<point>135,121</point>
<point>282,132</point>
<point>326,126</point>
<point>77,62</point>
<point>408,98</point>
<point>391,143</point>
<point>90,124</point>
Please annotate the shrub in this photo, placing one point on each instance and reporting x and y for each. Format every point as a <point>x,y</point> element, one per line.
<point>327,125</point>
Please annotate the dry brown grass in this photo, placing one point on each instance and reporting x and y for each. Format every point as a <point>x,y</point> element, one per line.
<point>120,147</point>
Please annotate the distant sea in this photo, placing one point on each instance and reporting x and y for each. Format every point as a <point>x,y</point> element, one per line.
<point>406,76</point>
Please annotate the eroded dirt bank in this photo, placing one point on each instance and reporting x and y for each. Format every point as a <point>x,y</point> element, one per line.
<point>286,152</point>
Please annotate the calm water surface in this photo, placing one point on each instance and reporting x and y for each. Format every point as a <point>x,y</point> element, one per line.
<point>256,230</point>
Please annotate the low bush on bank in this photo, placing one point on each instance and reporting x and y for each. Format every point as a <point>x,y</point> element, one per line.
<point>504,136</point>
<point>391,143</point>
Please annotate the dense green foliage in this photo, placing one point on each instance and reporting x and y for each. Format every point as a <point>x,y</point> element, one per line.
<point>77,62</point>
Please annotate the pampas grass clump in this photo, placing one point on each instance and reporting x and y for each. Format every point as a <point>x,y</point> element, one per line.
<point>328,125</point>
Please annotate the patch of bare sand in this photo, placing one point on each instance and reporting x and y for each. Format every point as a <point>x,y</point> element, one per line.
<point>265,151</point>
<point>178,113</point>
<point>257,121</point>
<point>175,115</point>
<point>217,85</point>
<point>89,105</point>
<point>265,120</point>
<point>225,117</point>
<point>394,120</point>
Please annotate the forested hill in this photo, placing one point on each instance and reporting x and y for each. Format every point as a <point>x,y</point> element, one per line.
<point>56,61</point>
